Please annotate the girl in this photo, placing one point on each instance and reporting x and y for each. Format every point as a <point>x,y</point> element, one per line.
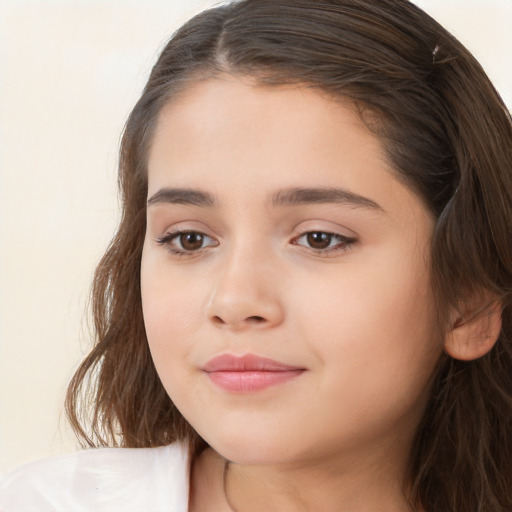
<point>307,304</point>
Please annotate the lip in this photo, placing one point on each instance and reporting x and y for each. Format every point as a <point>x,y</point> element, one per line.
<point>248,373</point>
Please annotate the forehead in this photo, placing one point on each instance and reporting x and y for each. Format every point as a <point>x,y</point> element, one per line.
<point>230,136</point>
<point>238,117</point>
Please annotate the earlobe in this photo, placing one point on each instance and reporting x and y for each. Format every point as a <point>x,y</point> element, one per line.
<point>472,335</point>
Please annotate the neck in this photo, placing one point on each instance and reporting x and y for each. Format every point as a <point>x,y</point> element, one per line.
<point>328,486</point>
<point>361,483</point>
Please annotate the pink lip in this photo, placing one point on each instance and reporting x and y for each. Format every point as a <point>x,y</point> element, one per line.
<point>248,373</point>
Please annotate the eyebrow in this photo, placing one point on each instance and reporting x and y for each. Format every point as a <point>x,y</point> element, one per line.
<point>182,196</point>
<point>287,197</point>
<point>302,196</point>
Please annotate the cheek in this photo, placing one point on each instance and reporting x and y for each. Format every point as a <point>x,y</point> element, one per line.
<point>171,305</point>
<point>376,349</point>
<point>375,320</point>
<point>170,322</point>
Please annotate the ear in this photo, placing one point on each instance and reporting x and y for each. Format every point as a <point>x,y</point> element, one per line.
<point>474,329</point>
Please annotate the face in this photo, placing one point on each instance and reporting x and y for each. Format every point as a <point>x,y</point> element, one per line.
<point>285,282</point>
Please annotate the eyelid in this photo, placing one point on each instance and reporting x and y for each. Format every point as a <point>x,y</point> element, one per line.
<point>324,226</point>
<point>346,237</point>
<point>344,243</point>
<point>173,233</point>
<point>343,238</point>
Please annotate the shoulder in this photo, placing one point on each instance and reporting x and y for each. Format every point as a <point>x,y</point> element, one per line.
<point>103,480</point>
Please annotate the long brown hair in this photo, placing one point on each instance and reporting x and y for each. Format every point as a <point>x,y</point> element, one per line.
<point>449,137</point>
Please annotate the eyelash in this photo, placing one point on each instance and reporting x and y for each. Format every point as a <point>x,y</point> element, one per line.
<point>169,238</point>
<point>344,242</point>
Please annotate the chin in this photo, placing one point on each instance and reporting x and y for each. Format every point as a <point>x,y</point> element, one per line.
<point>249,450</point>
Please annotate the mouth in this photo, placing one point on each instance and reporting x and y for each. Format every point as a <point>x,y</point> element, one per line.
<point>248,373</point>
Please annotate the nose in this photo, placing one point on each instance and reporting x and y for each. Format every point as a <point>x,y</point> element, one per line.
<point>246,294</point>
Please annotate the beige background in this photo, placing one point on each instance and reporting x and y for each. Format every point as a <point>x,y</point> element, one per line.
<point>70,72</point>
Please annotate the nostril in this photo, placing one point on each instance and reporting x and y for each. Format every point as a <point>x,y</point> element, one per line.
<point>256,319</point>
<point>251,319</point>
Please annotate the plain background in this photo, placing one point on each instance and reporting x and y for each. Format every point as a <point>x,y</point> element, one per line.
<point>70,71</point>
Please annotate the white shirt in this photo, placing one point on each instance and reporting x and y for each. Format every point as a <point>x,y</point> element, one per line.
<point>101,480</point>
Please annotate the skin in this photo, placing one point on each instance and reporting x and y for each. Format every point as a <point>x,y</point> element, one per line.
<point>356,316</point>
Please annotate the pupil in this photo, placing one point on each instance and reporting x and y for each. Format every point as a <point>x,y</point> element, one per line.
<point>318,240</point>
<point>191,241</point>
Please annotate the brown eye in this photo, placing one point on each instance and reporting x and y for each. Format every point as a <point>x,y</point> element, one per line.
<point>182,243</point>
<point>323,243</point>
<point>191,241</point>
<point>319,240</point>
